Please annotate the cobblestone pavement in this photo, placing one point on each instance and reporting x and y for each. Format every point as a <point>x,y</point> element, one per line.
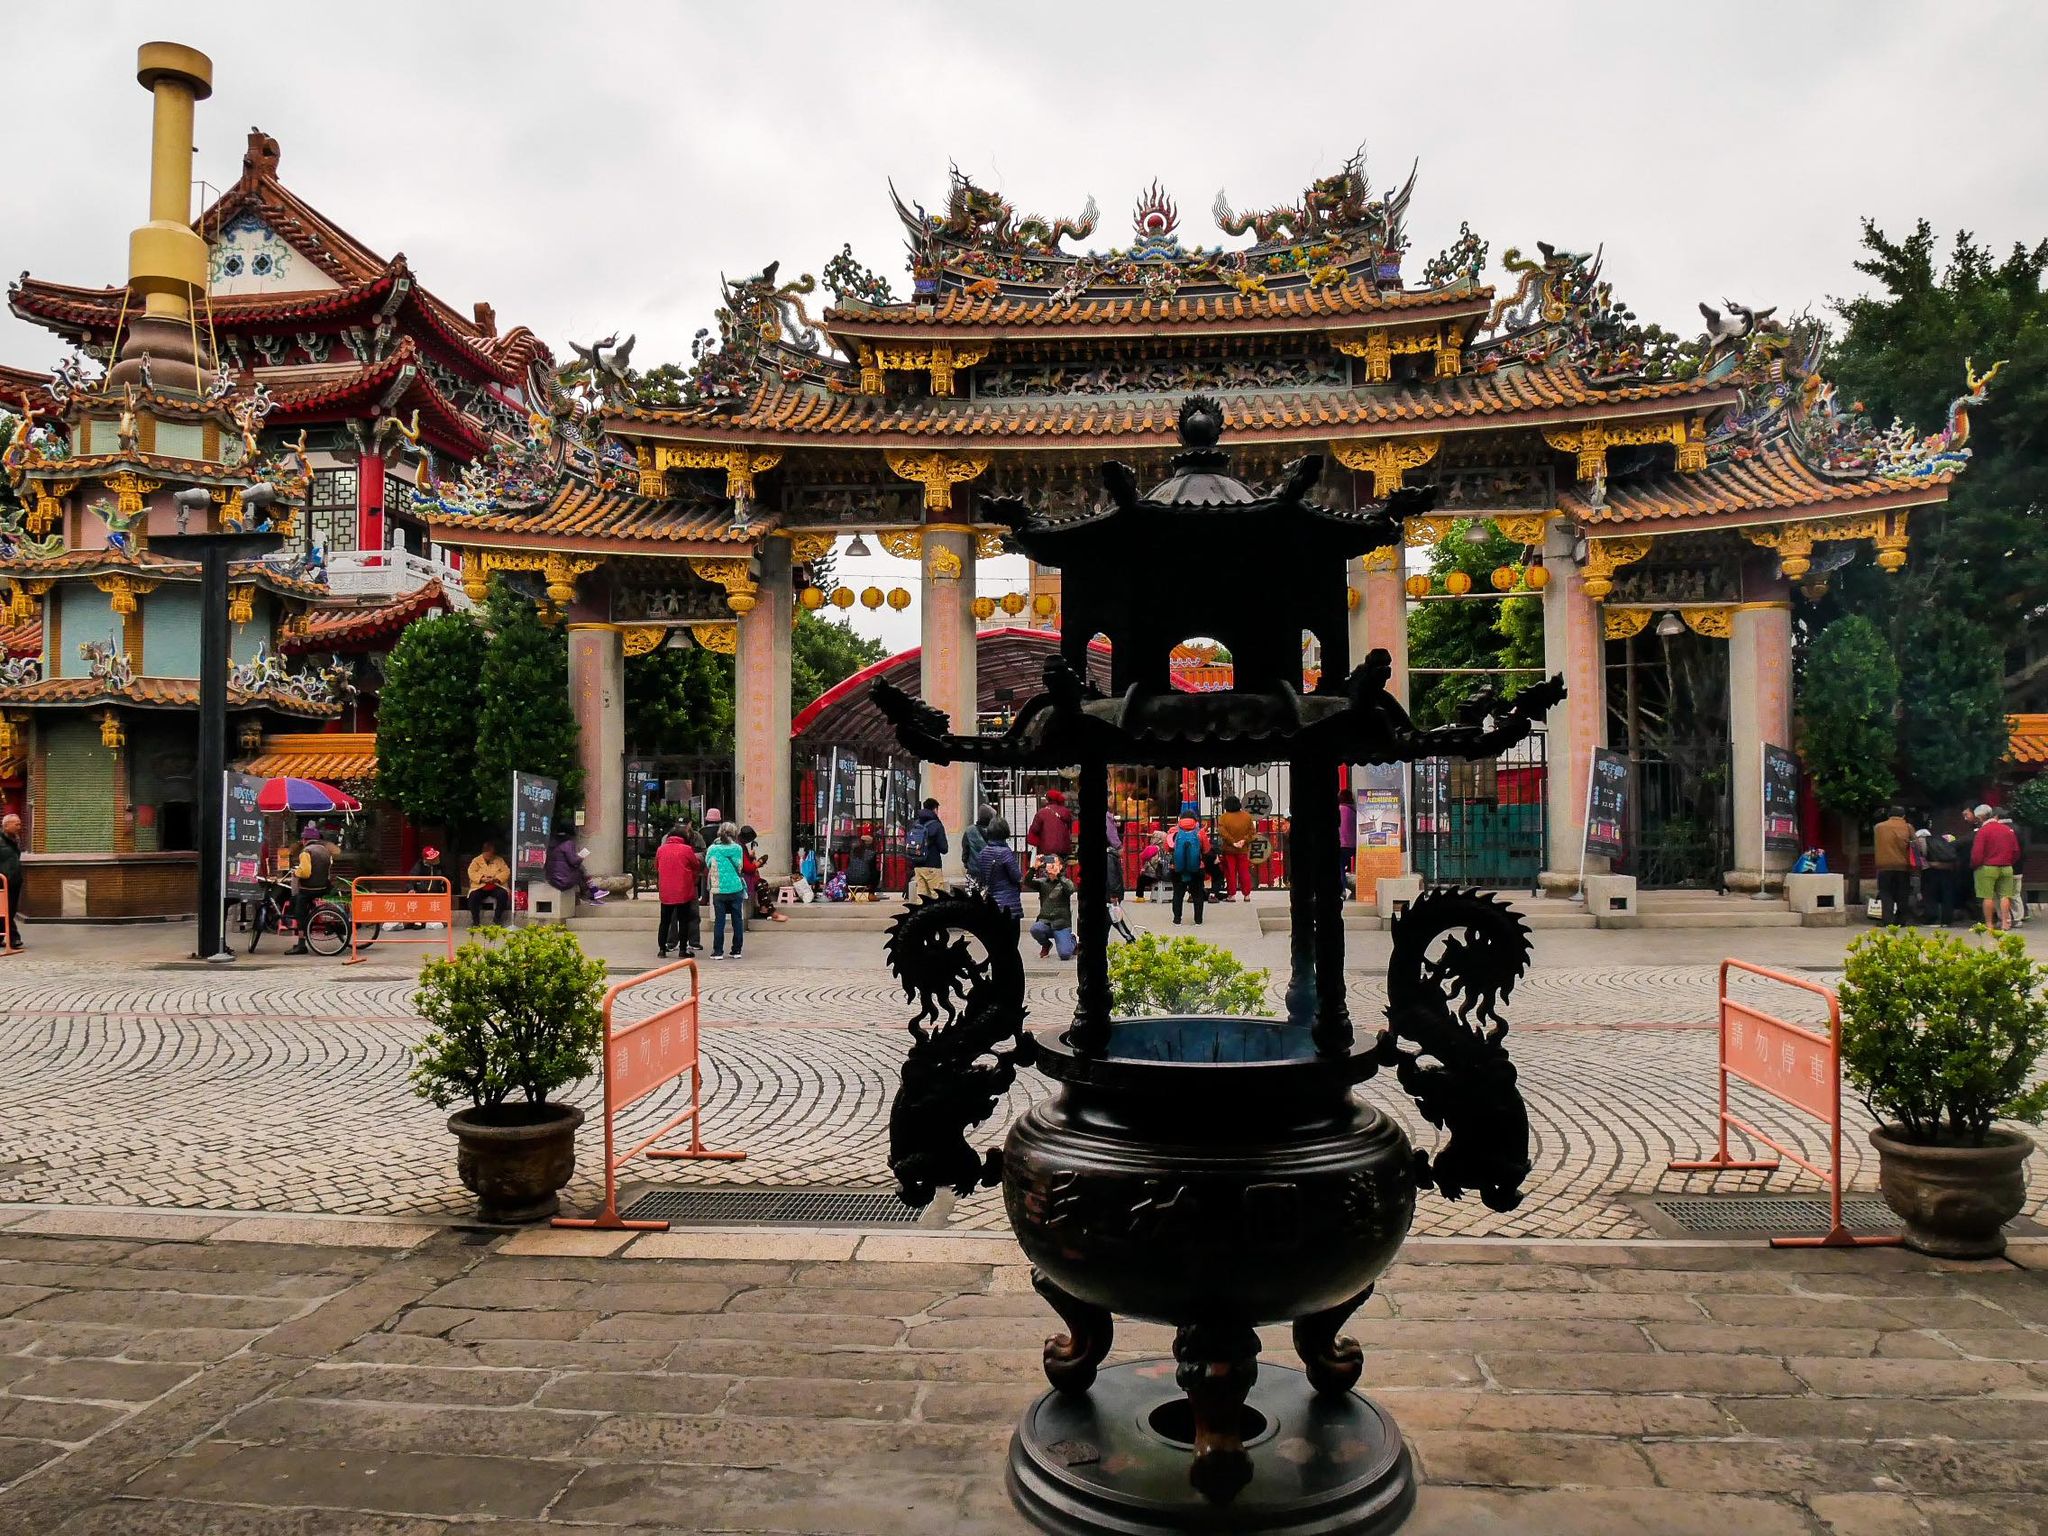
<point>158,1377</point>
<point>258,1092</point>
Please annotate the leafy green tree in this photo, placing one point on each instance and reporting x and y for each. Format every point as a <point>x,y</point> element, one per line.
<point>1849,693</point>
<point>427,720</point>
<point>513,1013</point>
<point>680,701</point>
<point>1467,633</point>
<point>1185,975</point>
<point>525,723</point>
<point>823,652</point>
<point>1952,726</point>
<point>1984,554</point>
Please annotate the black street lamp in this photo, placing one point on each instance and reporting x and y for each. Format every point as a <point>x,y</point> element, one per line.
<point>214,552</point>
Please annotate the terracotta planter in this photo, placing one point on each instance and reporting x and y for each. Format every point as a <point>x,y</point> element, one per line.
<point>516,1158</point>
<point>1954,1201</point>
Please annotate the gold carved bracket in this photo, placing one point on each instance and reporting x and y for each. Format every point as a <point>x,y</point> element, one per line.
<point>1590,441</point>
<point>741,465</point>
<point>807,547</point>
<point>1623,623</point>
<point>903,543</point>
<point>241,603</point>
<point>735,575</point>
<point>1716,623</point>
<point>939,361</point>
<point>1380,559</point>
<point>639,639</point>
<point>49,504</point>
<point>722,636</point>
<point>1386,459</point>
<point>124,590</point>
<point>1425,531</point>
<point>938,473</point>
<point>1381,345</point>
<point>1522,527</point>
<point>1606,556</point>
<point>1794,541</point>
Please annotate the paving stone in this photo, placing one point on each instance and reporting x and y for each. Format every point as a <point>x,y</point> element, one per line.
<point>801,1246</point>
<point>164,1309</point>
<point>1572,1371</point>
<point>49,1419</point>
<point>1999,1343</point>
<point>94,1341</point>
<point>1981,1467</point>
<point>836,1399</point>
<point>739,1440</point>
<point>1563,1336</point>
<point>1518,1306</point>
<point>398,1384</point>
<point>112,1381</point>
<point>641,1392</point>
<point>510,1294</point>
<point>566,1242</point>
<point>1507,1460</point>
<point>414,1482</point>
<point>844,1301</point>
<point>165,1517</point>
<point>951,1402</point>
<point>521,1325</point>
<point>19,1457</point>
<point>1735,1339</point>
<point>1892,1514</point>
<point>655,1296</point>
<point>1865,1419</point>
<point>1601,1512</point>
<point>1906,1378</point>
<point>1554,1412</point>
<point>1772,1466</point>
<point>762,1327</point>
<point>571,1354</point>
<point>744,1357</point>
<point>861,1499</point>
<point>408,1427</point>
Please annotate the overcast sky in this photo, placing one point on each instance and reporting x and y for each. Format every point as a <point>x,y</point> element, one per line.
<point>595,167</point>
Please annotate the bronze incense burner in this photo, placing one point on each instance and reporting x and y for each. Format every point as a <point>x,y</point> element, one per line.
<point>1216,1174</point>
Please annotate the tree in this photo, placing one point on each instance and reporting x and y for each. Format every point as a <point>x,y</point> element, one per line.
<point>1849,692</point>
<point>680,701</point>
<point>823,652</point>
<point>1952,727</point>
<point>427,720</point>
<point>525,723</point>
<point>1984,554</point>
<point>1465,633</point>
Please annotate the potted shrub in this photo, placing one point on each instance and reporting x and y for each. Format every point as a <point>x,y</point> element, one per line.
<point>513,1017</point>
<point>1942,1037</point>
<point>1181,976</point>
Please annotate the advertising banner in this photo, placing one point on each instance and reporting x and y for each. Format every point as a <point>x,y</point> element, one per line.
<point>1781,800</point>
<point>1382,819</point>
<point>1607,805</point>
<point>241,835</point>
<point>533,816</point>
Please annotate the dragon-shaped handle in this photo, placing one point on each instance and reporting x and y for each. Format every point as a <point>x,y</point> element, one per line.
<point>1446,1001</point>
<point>957,1070</point>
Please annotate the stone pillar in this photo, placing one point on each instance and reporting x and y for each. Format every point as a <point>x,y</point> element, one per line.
<point>597,693</point>
<point>1574,644</point>
<point>762,685</point>
<point>1759,711</point>
<point>1380,621</point>
<point>947,674</point>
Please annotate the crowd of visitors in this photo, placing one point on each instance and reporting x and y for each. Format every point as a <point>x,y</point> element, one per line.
<point>1928,877</point>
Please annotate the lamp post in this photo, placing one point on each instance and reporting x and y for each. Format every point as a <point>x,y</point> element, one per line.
<point>214,552</point>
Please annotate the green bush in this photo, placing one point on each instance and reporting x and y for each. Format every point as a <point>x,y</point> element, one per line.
<point>1184,975</point>
<point>1941,1035</point>
<point>2030,803</point>
<point>514,1012</point>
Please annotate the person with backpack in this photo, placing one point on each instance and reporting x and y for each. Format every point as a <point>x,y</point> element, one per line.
<point>312,878</point>
<point>1189,851</point>
<point>972,841</point>
<point>927,847</point>
<point>1002,877</point>
<point>1052,829</point>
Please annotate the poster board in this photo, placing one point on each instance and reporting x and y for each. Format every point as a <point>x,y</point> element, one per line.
<point>1382,823</point>
<point>533,816</point>
<point>1780,800</point>
<point>241,835</point>
<point>1607,791</point>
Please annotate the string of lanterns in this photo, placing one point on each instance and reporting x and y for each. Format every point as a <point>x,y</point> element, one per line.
<point>1504,578</point>
<point>1043,606</point>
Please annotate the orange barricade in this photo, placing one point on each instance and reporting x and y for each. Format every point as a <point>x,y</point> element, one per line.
<point>7,934</point>
<point>638,1059</point>
<point>391,899</point>
<point>1794,1065</point>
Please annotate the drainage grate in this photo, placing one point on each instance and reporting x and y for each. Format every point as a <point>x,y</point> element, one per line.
<point>758,1206</point>
<point>1774,1214</point>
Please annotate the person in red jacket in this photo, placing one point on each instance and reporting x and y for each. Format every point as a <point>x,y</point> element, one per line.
<point>678,873</point>
<point>1995,860</point>
<point>1051,833</point>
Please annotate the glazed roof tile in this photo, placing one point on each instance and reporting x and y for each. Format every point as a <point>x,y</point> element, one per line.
<point>1339,301</point>
<point>152,692</point>
<point>339,628</point>
<point>2029,739</point>
<point>781,411</point>
<point>324,755</point>
<point>582,510</point>
<point>85,562</point>
<point>1773,480</point>
<point>16,382</point>
<point>22,639</point>
<point>371,384</point>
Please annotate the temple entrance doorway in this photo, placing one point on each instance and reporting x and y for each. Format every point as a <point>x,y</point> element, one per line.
<point>663,790</point>
<point>1482,823</point>
<point>1667,697</point>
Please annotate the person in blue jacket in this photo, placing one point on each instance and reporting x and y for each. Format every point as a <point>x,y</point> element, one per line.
<point>1000,873</point>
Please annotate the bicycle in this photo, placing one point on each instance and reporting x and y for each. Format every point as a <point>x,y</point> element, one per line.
<point>328,927</point>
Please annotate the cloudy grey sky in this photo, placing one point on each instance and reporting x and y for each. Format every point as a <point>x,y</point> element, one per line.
<point>595,167</point>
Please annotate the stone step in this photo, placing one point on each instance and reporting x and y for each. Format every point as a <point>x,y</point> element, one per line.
<point>1762,916</point>
<point>1357,919</point>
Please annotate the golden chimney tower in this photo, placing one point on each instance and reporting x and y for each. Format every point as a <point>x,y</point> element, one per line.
<point>166,260</point>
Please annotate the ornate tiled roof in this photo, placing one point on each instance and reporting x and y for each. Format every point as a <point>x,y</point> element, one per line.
<point>88,562</point>
<point>22,639</point>
<point>2029,742</point>
<point>1299,308</point>
<point>361,626</point>
<point>581,510</point>
<point>1773,480</point>
<point>16,382</point>
<point>156,693</point>
<point>781,412</point>
<point>329,756</point>
<point>398,385</point>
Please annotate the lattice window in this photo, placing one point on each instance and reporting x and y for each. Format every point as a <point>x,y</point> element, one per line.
<point>331,525</point>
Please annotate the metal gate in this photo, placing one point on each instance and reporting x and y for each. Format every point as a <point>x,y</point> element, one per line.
<point>1684,834</point>
<point>840,800</point>
<point>1481,823</point>
<point>663,790</point>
